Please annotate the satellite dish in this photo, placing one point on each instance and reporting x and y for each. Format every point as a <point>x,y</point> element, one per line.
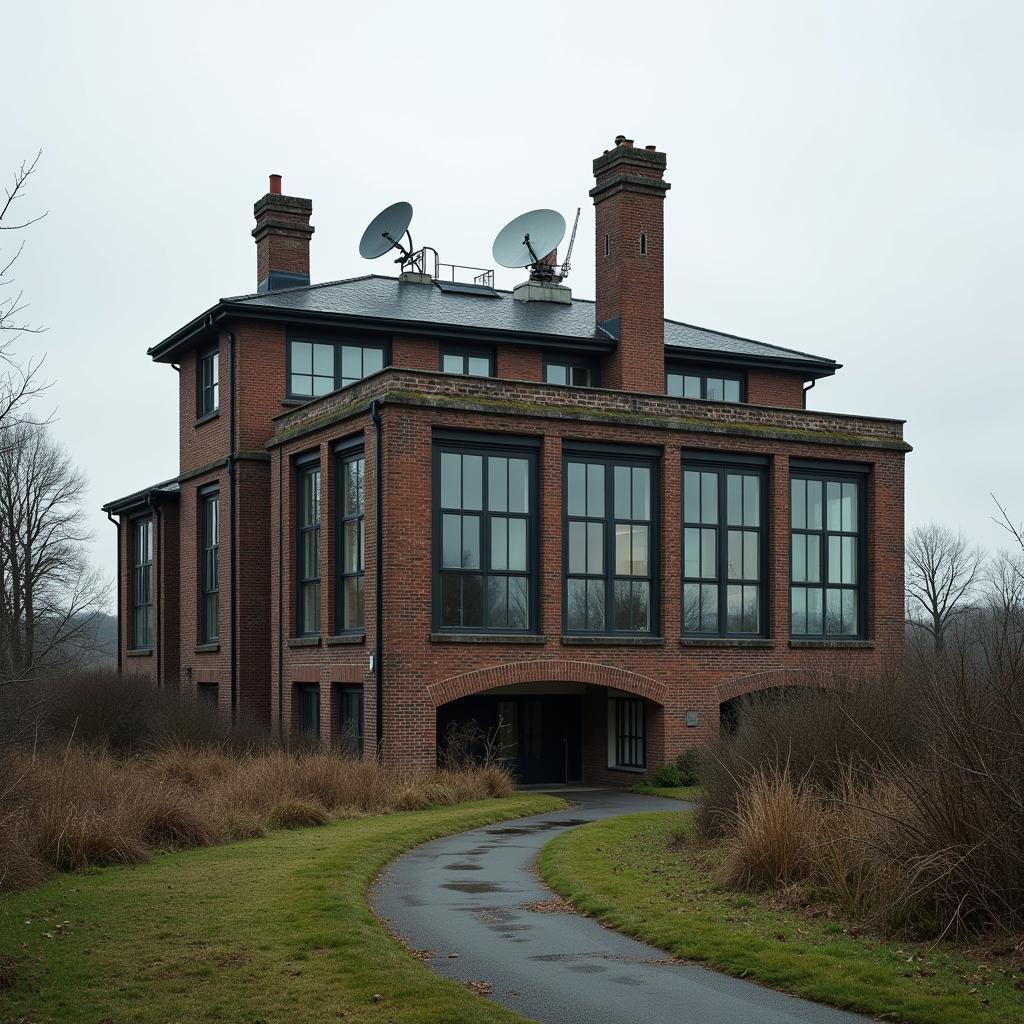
<point>527,240</point>
<point>385,231</point>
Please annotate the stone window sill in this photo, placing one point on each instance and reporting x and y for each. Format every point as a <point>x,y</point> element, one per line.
<point>726,641</point>
<point>486,638</point>
<point>206,419</point>
<point>627,769</point>
<point>829,645</point>
<point>304,641</point>
<point>139,652</point>
<point>210,648</point>
<point>613,641</point>
<point>340,639</point>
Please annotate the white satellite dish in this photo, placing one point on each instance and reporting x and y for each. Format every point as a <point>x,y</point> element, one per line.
<point>527,240</point>
<point>385,231</point>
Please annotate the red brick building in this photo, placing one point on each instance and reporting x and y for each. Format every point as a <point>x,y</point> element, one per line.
<point>404,505</point>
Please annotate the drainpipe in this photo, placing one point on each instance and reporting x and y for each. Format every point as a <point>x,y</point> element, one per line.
<point>378,562</point>
<point>155,512</point>
<point>806,389</point>
<point>280,593</point>
<point>232,526</point>
<point>117,610</point>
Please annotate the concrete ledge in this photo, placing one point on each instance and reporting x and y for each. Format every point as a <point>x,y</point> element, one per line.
<point>339,639</point>
<point>613,641</point>
<point>139,652</point>
<point>206,648</point>
<point>487,638</point>
<point>829,645</point>
<point>304,641</point>
<point>726,641</point>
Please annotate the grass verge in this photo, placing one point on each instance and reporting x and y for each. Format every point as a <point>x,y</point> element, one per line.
<point>630,874</point>
<point>268,930</point>
<point>691,793</point>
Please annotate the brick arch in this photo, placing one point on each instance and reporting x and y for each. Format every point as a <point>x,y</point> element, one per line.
<point>546,671</point>
<point>779,678</point>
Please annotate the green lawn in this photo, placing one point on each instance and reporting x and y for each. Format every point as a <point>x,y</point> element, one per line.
<point>626,873</point>
<point>691,793</point>
<point>272,930</point>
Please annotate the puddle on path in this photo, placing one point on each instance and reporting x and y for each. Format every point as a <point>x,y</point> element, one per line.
<point>473,887</point>
<point>462,866</point>
<point>540,826</point>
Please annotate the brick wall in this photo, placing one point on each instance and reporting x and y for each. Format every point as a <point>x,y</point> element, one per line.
<point>775,387</point>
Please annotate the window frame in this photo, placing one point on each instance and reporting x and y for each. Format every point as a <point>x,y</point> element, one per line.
<point>573,362</point>
<point>487,446</point>
<point>618,739</point>
<point>306,466</point>
<point>341,690</point>
<point>203,389</point>
<point>208,693</point>
<point>142,570</point>
<point>610,458</point>
<point>337,343</point>
<point>466,352</point>
<point>825,472</point>
<point>209,587</point>
<point>723,464</point>
<point>343,454</point>
<point>704,372</point>
<point>302,690</point>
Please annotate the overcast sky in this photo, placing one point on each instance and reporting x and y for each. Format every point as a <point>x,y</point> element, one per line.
<point>846,180</point>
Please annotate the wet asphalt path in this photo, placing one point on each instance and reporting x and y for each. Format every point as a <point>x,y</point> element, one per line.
<point>468,895</point>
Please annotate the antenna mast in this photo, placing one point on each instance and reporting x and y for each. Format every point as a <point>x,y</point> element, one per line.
<point>566,266</point>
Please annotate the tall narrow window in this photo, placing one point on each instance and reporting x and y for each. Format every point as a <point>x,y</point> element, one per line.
<point>349,701</point>
<point>308,619</point>
<point>827,549</point>
<point>610,572</point>
<point>485,521</point>
<point>308,696</point>
<point>643,243</point>
<point>627,746</point>
<point>209,383</point>
<point>723,561</point>
<point>142,583</point>
<point>350,506</point>
<point>708,385</point>
<point>210,567</point>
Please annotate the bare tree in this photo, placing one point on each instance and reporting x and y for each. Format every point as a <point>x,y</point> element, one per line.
<point>50,597</point>
<point>19,382</point>
<point>942,575</point>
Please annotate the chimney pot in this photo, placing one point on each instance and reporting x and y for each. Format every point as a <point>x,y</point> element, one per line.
<point>651,149</point>
<point>620,139</point>
<point>275,184</point>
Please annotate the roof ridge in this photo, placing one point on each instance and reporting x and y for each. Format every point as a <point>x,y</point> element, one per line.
<point>300,288</point>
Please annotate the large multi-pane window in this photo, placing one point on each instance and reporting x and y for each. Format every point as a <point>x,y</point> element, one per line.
<point>826,559</point>
<point>142,583</point>
<point>610,533</point>
<point>308,619</point>
<point>580,373</point>
<point>708,385</point>
<point>210,567</point>
<point>469,362</point>
<point>350,539</point>
<point>209,382</point>
<point>485,522</point>
<point>627,738</point>
<point>319,367</point>
<point>723,555</point>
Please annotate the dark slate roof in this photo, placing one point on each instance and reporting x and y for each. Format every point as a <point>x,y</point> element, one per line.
<point>165,489</point>
<point>385,298</point>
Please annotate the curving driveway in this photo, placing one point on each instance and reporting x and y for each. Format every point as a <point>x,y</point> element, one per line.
<point>474,902</point>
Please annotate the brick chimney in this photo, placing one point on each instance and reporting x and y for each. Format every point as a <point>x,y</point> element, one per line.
<point>282,236</point>
<point>630,261</point>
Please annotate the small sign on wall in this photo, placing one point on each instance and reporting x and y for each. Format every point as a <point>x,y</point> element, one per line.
<point>692,719</point>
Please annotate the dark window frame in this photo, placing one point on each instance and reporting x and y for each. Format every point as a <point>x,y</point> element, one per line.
<point>835,473</point>
<point>307,467</point>
<point>485,447</point>
<point>353,738</point>
<point>724,466</point>
<point>630,712</point>
<point>573,362</point>
<point>208,391</point>
<point>208,693</point>
<point>209,567</point>
<point>343,456</point>
<point>632,457</point>
<point>304,690</point>
<point>338,344</point>
<point>466,352</point>
<point>704,372</point>
<point>142,582</point>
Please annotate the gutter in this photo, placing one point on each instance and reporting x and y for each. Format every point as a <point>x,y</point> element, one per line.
<point>378,568</point>
<point>232,527</point>
<point>117,610</point>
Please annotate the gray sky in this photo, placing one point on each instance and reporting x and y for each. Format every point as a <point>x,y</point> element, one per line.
<point>846,179</point>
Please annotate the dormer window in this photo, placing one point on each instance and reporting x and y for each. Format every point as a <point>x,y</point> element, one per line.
<point>705,384</point>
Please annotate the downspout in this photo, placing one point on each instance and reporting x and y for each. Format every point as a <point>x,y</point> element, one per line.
<point>806,389</point>
<point>117,610</point>
<point>232,526</point>
<point>155,512</point>
<point>280,593</point>
<point>378,568</point>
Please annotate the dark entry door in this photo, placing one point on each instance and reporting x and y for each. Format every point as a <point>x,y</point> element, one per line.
<point>549,748</point>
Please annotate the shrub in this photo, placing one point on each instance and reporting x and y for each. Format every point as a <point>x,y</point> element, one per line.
<point>668,776</point>
<point>689,765</point>
<point>297,813</point>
